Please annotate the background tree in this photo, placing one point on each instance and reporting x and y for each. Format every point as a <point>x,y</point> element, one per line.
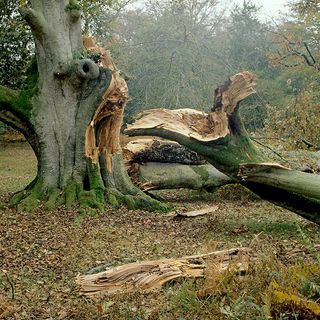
<point>296,56</point>
<point>15,45</point>
<point>173,52</point>
<point>165,51</point>
<point>99,17</point>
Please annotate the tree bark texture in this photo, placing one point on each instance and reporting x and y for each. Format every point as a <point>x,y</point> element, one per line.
<point>71,114</point>
<point>220,138</point>
<point>155,164</point>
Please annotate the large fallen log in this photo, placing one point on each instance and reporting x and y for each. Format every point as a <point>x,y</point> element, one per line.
<point>159,176</point>
<point>219,137</point>
<point>150,275</point>
<point>155,164</point>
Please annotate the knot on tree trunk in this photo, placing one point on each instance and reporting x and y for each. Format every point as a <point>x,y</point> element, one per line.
<point>87,69</point>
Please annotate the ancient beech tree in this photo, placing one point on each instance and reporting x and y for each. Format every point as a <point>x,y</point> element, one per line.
<point>221,139</point>
<point>71,115</point>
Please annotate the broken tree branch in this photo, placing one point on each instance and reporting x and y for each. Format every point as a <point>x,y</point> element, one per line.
<point>35,20</point>
<point>150,275</point>
<point>155,164</point>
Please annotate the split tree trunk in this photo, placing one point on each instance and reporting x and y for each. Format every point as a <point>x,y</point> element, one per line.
<point>221,139</point>
<point>71,114</point>
<point>155,164</point>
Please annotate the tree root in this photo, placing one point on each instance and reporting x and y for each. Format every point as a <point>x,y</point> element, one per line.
<point>87,201</point>
<point>138,201</point>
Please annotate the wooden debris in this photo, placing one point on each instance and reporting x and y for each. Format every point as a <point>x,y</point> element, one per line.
<point>196,213</point>
<point>150,275</point>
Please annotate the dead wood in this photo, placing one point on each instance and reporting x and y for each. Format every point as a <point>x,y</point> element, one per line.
<point>159,150</point>
<point>150,275</point>
<point>196,213</point>
<point>205,128</point>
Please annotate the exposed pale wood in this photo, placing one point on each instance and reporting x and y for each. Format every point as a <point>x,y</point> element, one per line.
<point>150,275</point>
<point>107,120</point>
<point>200,126</point>
<point>196,213</point>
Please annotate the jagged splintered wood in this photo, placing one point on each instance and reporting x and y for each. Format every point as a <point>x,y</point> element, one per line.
<point>197,213</point>
<point>206,128</point>
<point>150,275</point>
<point>220,138</point>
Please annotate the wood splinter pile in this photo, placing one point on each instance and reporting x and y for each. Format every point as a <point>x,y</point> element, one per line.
<point>151,275</point>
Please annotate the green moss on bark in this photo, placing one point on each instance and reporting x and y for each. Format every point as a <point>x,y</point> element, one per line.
<point>71,191</point>
<point>17,198</point>
<point>53,195</point>
<point>201,171</point>
<point>88,199</point>
<point>32,201</point>
<point>73,5</point>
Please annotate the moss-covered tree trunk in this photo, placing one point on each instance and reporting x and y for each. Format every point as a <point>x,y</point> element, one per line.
<point>71,114</point>
<point>221,139</point>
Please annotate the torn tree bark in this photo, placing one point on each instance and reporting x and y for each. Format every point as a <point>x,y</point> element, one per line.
<point>155,164</point>
<point>219,137</point>
<point>142,150</point>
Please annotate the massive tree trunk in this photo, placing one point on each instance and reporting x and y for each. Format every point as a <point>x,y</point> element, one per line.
<point>155,164</point>
<point>71,114</point>
<point>221,139</point>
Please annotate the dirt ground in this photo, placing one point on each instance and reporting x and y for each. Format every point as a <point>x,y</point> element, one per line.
<point>42,252</point>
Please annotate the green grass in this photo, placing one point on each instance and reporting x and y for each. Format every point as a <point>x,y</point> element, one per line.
<point>17,166</point>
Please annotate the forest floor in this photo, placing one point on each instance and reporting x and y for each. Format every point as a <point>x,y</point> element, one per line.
<point>42,252</point>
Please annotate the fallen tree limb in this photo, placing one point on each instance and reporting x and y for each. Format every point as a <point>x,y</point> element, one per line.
<point>196,213</point>
<point>219,137</point>
<point>150,275</point>
<point>156,164</point>
<point>157,176</point>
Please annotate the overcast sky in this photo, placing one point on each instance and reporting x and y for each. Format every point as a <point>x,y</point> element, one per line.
<point>269,7</point>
